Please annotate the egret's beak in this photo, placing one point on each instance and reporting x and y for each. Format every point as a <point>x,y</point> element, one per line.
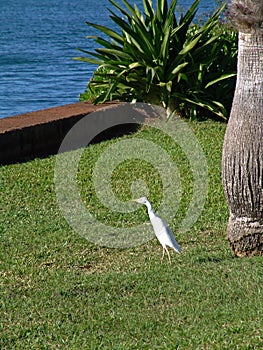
<point>134,200</point>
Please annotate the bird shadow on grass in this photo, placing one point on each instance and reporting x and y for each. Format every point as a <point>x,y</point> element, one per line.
<point>215,258</point>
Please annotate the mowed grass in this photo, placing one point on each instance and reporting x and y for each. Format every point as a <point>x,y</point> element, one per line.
<point>60,291</point>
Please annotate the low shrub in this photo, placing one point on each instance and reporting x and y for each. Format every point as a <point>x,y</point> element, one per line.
<point>185,67</point>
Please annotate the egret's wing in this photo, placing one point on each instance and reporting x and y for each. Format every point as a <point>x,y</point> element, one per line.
<point>171,241</point>
<point>164,233</point>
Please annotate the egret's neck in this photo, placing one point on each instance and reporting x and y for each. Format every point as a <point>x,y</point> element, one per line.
<point>151,212</point>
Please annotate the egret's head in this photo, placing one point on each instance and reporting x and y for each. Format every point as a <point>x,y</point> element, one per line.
<point>142,200</point>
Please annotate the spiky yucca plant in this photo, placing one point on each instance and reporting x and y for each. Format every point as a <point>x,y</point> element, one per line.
<point>157,59</point>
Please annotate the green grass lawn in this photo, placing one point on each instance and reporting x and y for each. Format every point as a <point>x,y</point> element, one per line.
<point>60,291</point>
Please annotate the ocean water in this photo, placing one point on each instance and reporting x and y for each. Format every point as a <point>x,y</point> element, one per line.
<point>37,43</point>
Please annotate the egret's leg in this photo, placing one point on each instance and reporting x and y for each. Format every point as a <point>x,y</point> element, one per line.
<point>163,254</point>
<point>168,255</point>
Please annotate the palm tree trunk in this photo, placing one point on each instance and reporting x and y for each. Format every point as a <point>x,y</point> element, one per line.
<point>242,161</point>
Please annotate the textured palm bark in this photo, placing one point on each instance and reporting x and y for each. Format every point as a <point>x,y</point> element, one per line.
<point>242,161</point>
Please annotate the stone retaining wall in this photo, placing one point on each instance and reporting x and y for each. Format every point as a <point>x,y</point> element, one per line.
<point>39,134</point>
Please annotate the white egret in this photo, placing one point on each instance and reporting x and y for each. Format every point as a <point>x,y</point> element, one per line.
<point>161,229</point>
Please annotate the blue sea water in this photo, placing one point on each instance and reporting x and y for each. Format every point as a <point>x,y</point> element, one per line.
<point>38,40</point>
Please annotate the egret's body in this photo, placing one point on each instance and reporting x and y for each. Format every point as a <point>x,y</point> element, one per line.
<point>161,229</point>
